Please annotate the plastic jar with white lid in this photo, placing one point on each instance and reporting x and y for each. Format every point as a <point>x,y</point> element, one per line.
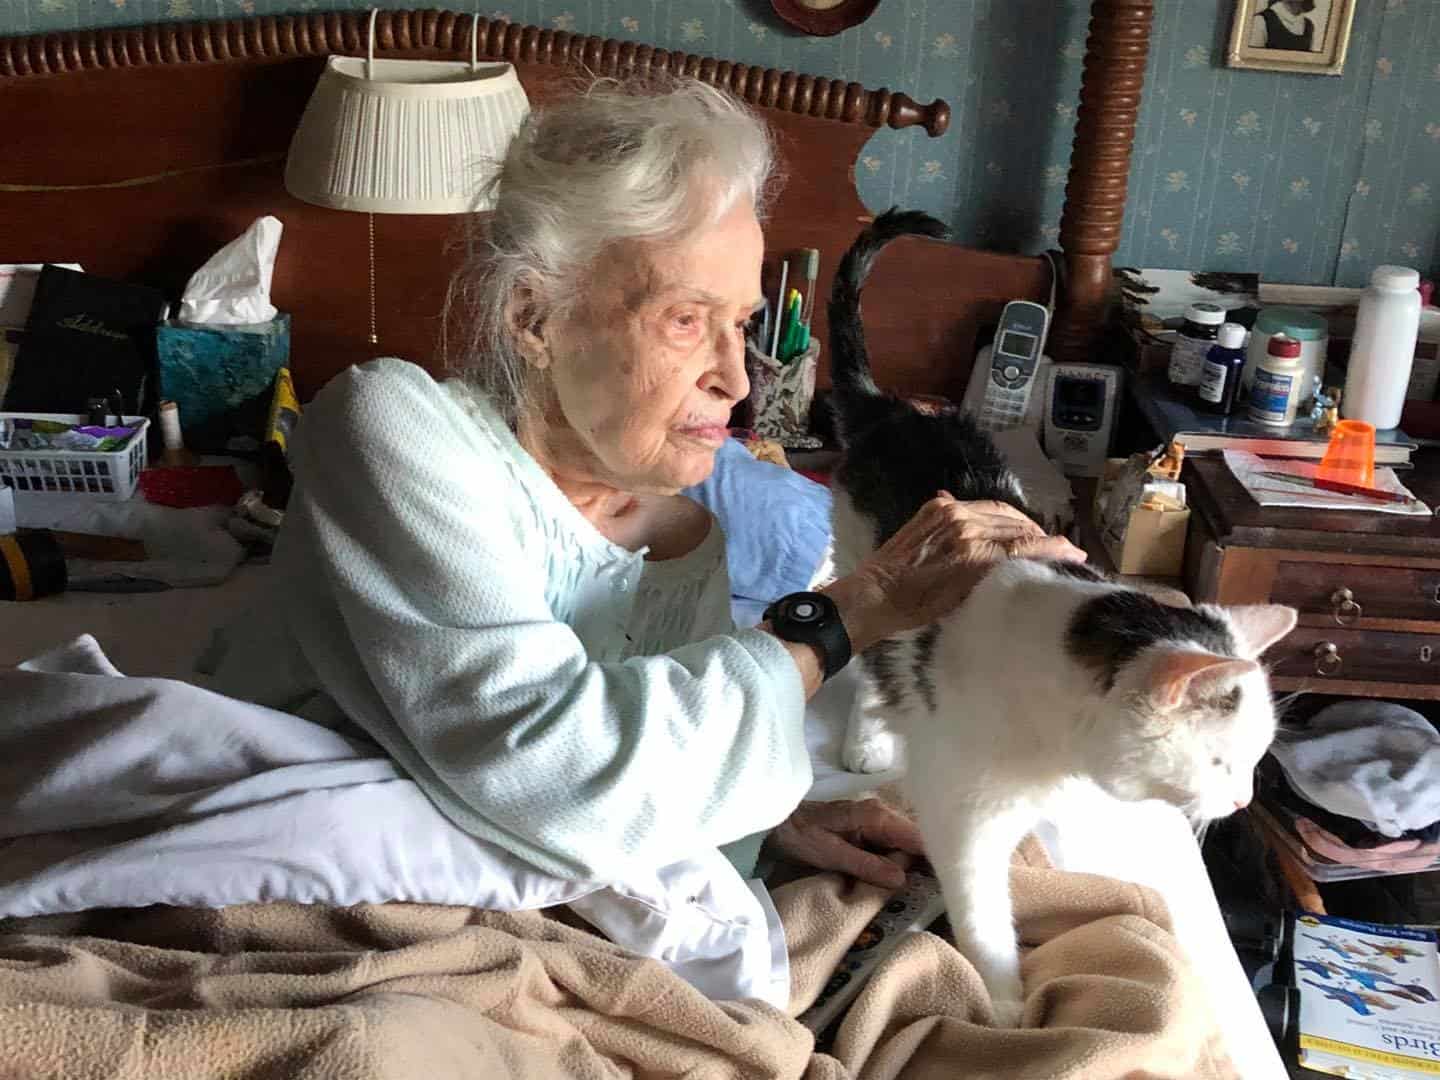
<point>1383,348</point>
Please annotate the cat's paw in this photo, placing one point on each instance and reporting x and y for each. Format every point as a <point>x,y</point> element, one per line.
<point>1007,998</point>
<point>878,751</point>
<point>1008,1012</point>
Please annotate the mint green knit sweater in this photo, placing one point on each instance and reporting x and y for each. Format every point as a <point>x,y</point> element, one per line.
<point>589,711</point>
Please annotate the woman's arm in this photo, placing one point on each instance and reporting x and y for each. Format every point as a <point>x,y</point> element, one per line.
<point>927,569</point>
<point>444,647</point>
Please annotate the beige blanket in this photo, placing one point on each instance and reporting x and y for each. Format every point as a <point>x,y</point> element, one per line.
<point>409,991</point>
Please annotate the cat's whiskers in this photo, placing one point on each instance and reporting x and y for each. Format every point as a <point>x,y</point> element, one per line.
<point>1284,725</point>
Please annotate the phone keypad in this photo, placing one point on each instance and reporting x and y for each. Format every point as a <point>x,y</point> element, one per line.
<point>1003,409</point>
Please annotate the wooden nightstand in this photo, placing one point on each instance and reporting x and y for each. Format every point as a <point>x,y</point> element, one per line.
<point>1367,585</point>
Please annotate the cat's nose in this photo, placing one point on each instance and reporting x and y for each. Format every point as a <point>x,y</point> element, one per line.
<point>1240,804</point>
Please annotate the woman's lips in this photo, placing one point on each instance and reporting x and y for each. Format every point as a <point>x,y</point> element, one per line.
<point>710,433</point>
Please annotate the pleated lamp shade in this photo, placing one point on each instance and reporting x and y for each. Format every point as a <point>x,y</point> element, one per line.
<point>404,136</point>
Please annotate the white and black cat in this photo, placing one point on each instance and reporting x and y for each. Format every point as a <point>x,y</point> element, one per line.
<point>1048,673</point>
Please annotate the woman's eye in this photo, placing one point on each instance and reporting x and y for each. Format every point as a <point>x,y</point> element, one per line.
<point>686,320</point>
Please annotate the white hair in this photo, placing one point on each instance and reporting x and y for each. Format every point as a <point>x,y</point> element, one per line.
<point>617,162</point>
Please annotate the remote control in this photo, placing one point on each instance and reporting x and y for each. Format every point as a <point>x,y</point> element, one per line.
<point>913,908</point>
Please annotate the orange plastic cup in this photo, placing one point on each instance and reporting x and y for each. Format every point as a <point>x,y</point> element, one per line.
<point>1350,457</point>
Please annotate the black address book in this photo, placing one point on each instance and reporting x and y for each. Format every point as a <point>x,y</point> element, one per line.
<point>86,337</point>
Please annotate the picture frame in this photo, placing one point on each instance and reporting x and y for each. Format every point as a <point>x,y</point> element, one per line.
<point>1308,37</point>
<point>824,18</point>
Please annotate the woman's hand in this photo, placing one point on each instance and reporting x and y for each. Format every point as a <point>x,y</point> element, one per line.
<point>929,566</point>
<point>844,836</point>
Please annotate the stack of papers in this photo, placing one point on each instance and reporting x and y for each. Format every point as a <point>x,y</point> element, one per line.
<point>1268,491</point>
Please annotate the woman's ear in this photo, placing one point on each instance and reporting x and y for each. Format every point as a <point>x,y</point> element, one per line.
<point>527,327</point>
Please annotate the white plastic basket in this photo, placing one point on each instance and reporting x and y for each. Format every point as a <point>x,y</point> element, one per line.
<point>112,474</point>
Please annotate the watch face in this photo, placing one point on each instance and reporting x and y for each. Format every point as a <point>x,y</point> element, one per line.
<point>804,611</point>
<point>813,619</point>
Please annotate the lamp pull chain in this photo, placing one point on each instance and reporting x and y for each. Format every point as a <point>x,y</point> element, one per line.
<point>374,337</point>
<point>370,45</point>
<point>370,218</point>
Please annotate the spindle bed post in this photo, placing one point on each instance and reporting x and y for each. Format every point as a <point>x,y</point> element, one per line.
<point>1094,214</point>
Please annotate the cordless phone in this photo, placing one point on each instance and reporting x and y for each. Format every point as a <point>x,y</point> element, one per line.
<point>1006,372</point>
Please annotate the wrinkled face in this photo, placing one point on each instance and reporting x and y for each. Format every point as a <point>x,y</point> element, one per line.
<point>644,368</point>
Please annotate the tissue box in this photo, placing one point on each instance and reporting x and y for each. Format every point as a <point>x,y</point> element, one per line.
<point>221,378</point>
<point>1153,544</point>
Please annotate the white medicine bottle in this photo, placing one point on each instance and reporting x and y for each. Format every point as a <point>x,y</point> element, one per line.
<point>1383,348</point>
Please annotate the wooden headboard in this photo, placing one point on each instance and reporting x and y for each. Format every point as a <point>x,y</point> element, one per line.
<point>137,152</point>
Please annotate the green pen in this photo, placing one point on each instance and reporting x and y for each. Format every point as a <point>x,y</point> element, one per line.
<point>792,325</point>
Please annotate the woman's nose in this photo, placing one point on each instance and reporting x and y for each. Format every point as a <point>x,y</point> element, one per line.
<point>726,375</point>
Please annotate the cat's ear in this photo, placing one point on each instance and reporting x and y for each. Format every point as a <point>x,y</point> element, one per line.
<point>1180,675</point>
<point>1261,625</point>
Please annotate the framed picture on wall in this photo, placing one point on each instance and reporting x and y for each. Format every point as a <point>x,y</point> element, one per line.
<point>1308,36</point>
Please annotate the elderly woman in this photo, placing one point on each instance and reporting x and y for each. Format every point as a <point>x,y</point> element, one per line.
<point>496,577</point>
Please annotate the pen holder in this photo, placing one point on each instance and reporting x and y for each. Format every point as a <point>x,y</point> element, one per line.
<point>781,395</point>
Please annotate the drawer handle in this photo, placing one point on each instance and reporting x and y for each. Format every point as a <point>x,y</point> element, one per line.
<point>1425,654</point>
<point>1346,610</point>
<point>1327,658</point>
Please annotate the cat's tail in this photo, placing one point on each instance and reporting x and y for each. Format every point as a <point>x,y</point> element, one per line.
<point>854,385</point>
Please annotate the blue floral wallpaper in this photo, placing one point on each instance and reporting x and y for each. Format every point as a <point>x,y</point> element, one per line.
<point>1305,178</point>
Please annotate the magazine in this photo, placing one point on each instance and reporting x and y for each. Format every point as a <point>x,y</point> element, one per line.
<point>1369,998</point>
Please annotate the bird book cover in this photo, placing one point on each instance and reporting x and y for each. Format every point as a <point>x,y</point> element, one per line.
<point>1369,998</point>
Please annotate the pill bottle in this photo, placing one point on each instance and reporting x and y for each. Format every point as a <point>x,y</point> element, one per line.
<point>1279,383</point>
<point>1220,374</point>
<point>1202,322</point>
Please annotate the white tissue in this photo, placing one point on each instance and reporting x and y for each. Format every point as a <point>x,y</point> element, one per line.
<point>234,284</point>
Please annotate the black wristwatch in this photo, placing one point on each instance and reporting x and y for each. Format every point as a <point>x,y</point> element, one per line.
<point>812,618</point>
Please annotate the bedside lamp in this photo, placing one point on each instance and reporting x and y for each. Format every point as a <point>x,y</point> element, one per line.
<point>404,136</point>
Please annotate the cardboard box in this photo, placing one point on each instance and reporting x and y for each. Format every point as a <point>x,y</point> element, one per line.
<point>1151,349</point>
<point>1154,540</point>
